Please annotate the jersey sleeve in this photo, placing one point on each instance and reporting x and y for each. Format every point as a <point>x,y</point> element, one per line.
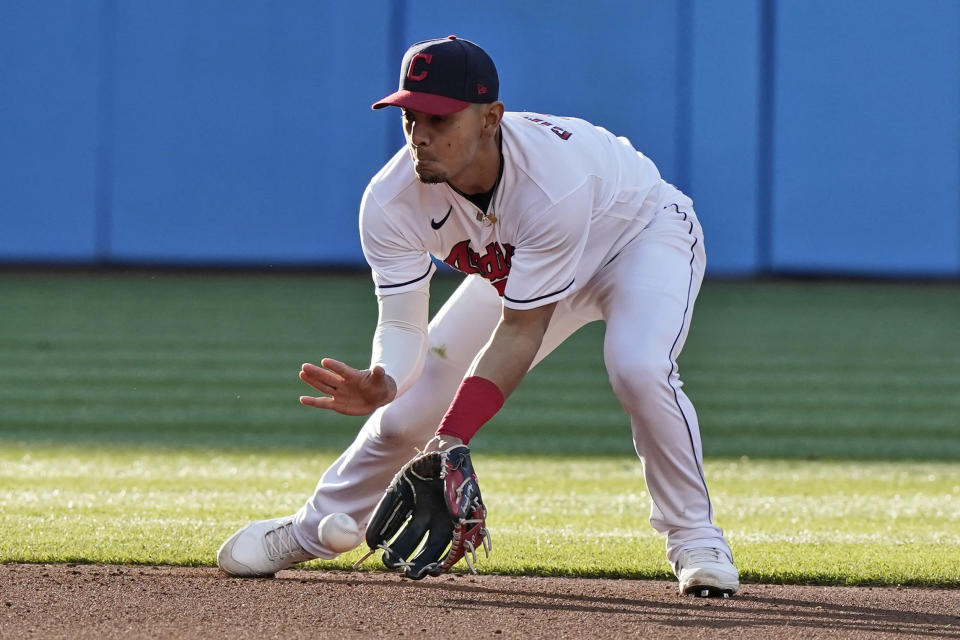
<point>549,247</point>
<point>398,263</point>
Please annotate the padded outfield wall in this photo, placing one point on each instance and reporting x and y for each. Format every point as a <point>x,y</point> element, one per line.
<point>815,136</point>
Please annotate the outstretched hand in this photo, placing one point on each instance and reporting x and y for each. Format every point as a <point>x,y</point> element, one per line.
<point>352,392</point>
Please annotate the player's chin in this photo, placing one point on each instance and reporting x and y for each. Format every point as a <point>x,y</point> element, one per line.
<point>426,176</point>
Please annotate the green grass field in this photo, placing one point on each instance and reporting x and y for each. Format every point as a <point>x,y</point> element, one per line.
<point>144,416</point>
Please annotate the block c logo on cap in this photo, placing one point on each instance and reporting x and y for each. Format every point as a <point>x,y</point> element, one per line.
<point>427,58</point>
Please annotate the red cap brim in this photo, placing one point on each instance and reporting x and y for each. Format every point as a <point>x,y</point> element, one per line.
<point>426,102</point>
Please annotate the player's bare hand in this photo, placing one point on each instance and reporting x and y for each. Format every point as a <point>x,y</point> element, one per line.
<point>352,392</point>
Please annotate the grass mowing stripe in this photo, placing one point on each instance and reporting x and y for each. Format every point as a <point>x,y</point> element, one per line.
<point>830,380</point>
<point>803,360</point>
<point>116,376</point>
<point>174,355</point>
<point>853,421</point>
<point>284,373</point>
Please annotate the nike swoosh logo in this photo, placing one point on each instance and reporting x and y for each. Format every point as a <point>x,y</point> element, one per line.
<point>437,225</point>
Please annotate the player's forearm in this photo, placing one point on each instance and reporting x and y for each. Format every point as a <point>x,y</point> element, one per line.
<point>507,357</point>
<point>400,339</point>
<point>496,373</point>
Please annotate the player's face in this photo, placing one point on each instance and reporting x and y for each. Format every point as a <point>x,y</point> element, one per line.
<point>443,147</point>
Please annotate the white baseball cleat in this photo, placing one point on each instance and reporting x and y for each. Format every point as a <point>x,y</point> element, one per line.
<point>260,549</point>
<point>706,572</point>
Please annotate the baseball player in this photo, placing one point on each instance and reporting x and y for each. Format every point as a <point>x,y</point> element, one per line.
<point>557,223</point>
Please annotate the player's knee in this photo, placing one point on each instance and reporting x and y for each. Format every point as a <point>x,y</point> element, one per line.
<point>407,423</point>
<point>638,378</point>
<point>395,427</point>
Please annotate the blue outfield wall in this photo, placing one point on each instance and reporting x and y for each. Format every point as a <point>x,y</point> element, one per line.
<point>866,172</point>
<point>814,136</point>
<point>243,132</point>
<point>49,109</point>
<point>723,133</point>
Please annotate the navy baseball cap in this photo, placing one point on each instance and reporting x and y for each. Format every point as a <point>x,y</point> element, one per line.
<point>444,76</point>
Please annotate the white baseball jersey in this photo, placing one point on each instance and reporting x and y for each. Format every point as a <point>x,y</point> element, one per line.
<point>570,197</point>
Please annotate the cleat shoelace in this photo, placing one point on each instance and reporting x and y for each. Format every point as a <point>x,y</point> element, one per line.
<point>695,556</point>
<point>281,543</point>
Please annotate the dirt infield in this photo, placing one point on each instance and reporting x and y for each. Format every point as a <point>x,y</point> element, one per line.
<point>96,601</point>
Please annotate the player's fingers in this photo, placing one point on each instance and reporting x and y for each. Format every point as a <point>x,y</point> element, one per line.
<point>321,385</point>
<point>314,370</point>
<point>319,403</point>
<point>314,375</point>
<point>344,370</point>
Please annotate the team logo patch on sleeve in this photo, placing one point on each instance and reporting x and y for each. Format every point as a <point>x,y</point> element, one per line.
<point>563,134</point>
<point>494,264</point>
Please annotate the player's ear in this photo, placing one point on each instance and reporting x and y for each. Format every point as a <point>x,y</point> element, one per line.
<point>492,114</point>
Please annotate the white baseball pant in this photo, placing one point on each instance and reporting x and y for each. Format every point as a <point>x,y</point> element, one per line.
<point>646,297</point>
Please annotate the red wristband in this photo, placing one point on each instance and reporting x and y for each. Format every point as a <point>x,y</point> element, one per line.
<point>477,400</point>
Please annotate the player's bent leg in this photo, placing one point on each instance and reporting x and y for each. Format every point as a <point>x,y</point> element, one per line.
<point>666,437</point>
<point>355,481</point>
<point>647,299</point>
